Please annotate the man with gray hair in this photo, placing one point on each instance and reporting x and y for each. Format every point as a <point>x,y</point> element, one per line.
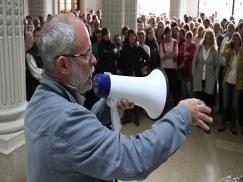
<point>67,142</point>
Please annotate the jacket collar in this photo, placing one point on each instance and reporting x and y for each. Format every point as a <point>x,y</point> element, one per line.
<point>54,85</point>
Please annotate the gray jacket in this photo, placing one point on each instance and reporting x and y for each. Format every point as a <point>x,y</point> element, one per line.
<point>212,69</point>
<point>67,142</point>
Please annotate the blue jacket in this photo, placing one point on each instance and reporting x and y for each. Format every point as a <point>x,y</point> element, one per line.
<point>67,142</point>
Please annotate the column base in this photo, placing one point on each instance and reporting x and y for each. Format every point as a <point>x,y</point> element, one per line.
<point>10,142</point>
<point>12,157</point>
<point>12,119</point>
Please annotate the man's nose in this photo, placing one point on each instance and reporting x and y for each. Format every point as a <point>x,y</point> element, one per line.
<point>93,60</point>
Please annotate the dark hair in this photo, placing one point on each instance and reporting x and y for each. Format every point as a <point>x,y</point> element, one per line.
<point>124,29</point>
<point>131,31</point>
<point>167,30</point>
<point>224,19</point>
<point>239,36</point>
<point>240,25</point>
<point>182,30</point>
<point>186,26</point>
<point>29,17</point>
<point>173,24</point>
<point>37,29</point>
<point>207,20</point>
<point>41,18</point>
<point>94,17</point>
<point>98,31</point>
<point>105,31</point>
<point>147,31</point>
<point>115,36</point>
<point>189,34</point>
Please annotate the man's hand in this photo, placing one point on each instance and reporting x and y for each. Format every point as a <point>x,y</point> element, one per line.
<point>199,112</point>
<point>122,105</point>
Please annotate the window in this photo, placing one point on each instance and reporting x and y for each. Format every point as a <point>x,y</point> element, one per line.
<point>238,10</point>
<point>67,5</point>
<point>156,7</point>
<point>224,9</point>
<point>221,10</point>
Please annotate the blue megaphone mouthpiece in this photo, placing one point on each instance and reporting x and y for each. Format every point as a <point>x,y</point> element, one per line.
<point>102,85</point>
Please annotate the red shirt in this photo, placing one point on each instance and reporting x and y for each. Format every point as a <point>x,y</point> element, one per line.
<point>187,59</point>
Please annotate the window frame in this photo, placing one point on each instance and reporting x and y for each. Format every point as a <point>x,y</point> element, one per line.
<point>74,5</point>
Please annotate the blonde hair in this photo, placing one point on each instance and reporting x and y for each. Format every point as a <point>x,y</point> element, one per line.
<point>213,41</point>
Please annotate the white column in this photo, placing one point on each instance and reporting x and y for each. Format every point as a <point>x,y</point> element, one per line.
<point>26,8</point>
<point>12,90</point>
<point>82,6</point>
<point>175,8</point>
<point>192,7</point>
<point>37,7</point>
<point>131,12</point>
<point>113,15</point>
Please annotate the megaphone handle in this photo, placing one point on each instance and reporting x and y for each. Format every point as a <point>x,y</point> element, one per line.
<point>115,118</point>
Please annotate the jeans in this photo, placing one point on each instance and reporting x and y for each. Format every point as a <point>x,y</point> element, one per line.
<point>173,91</point>
<point>208,99</point>
<point>231,103</point>
<point>186,88</point>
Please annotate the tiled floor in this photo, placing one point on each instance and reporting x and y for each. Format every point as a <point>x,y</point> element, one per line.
<point>203,158</point>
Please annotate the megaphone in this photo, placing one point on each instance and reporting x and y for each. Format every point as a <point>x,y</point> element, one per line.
<point>149,92</point>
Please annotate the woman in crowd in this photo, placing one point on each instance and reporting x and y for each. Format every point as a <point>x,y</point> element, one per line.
<point>186,53</point>
<point>168,62</point>
<point>159,33</point>
<point>107,54</point>
<point>133,61</point>
<point>161,24</point>
<point>125,35</point>
<point>205,67</point>
<point>133,58</point>
<point>233,82</point>
<point>154,48</point>
<point>199,35</point>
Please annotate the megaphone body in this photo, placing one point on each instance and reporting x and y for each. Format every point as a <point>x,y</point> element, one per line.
<point>149,92</point>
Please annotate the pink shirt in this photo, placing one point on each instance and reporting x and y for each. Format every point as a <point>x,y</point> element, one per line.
<point>169,47</point>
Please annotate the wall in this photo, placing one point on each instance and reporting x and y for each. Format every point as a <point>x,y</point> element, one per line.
<point>49,7</point>
<point>94,4</point>
<point>191,8</point>
<point>26,8</point>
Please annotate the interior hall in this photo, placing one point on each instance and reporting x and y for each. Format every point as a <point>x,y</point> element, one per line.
<point>193,47</point>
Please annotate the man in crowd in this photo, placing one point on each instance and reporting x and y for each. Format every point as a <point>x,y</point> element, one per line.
<point>67,142</point>
<point>34,65</point>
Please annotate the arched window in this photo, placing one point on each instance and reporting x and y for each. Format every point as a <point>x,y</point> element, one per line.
<point>67,5</point>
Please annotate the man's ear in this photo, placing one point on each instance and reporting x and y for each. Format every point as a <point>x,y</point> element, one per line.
<point>63,65</point>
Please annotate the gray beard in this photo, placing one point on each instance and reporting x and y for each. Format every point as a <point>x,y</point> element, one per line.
<point>80,79</point>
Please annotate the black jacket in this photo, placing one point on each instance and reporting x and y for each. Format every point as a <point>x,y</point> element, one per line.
<point>154,51</point>
<point>132,60</point>
<point>31,82</point>
<point>107,57</point>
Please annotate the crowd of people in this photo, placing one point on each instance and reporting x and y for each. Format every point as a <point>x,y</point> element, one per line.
<point>202,58</point>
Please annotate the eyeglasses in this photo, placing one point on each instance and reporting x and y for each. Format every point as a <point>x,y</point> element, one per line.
<point>86,55</point>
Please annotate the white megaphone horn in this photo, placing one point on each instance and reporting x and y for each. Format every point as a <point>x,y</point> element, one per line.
<point>149,92</point>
